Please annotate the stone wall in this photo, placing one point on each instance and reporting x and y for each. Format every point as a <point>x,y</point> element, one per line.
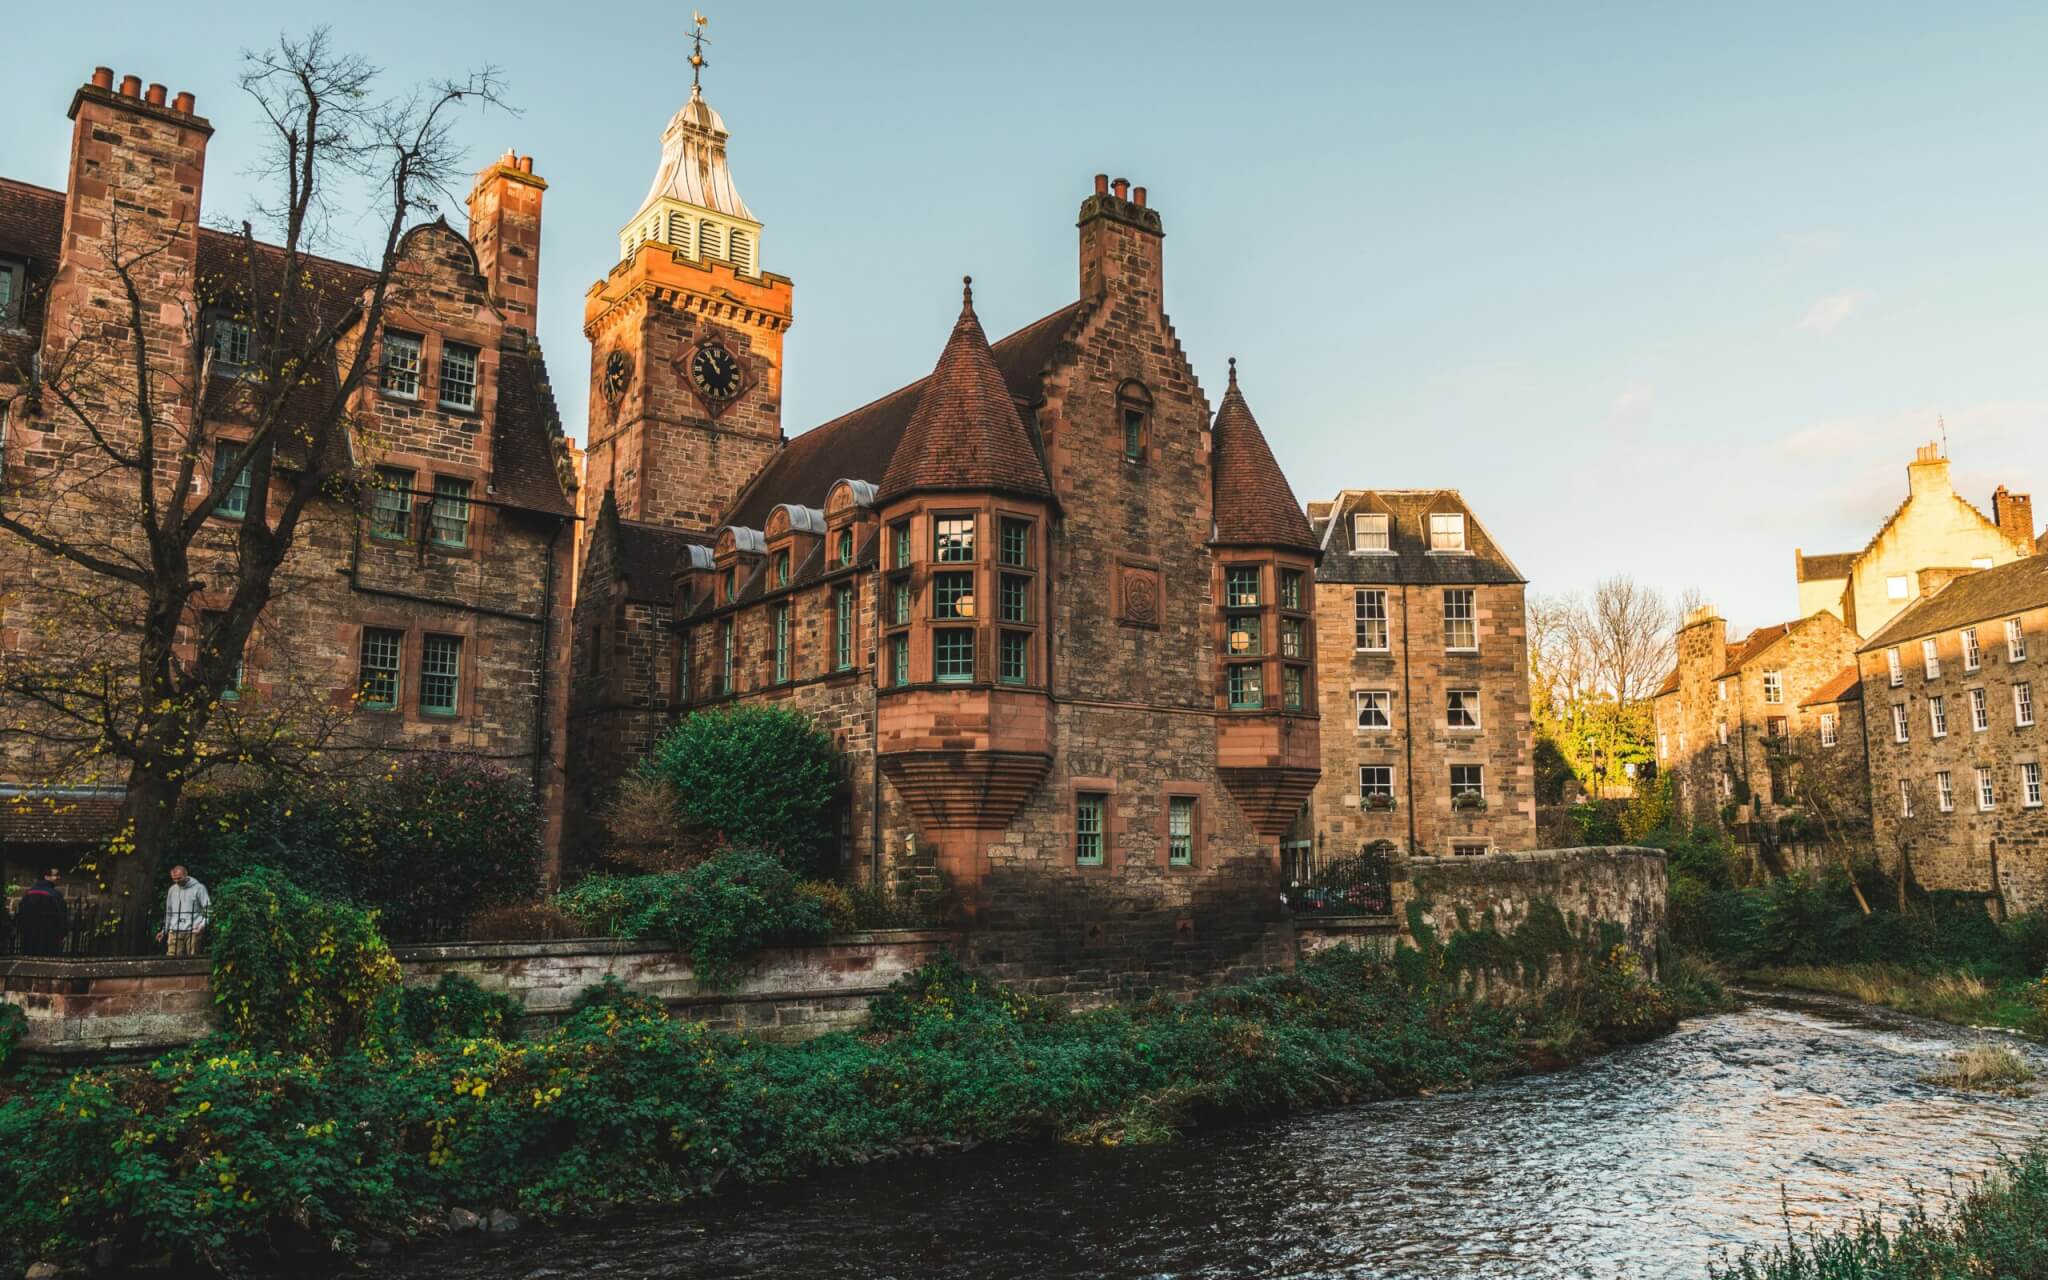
<point>1602,885</point>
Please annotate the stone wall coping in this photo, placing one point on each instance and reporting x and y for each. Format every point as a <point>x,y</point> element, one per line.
<point>1345,924</point>
<point>416,953</point>
<point>1537,857</point>
<point>106,967</point>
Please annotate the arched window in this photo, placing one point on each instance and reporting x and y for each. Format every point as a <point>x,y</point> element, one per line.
<point>1134,418</point>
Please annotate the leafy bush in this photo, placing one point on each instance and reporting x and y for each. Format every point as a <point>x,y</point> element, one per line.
<point>13,1023</point>
<point>294,972</point>
<point>1597,822</point>
<point>833,900</point>
<point>877,906</point>
<point>718,913</point>
<point>758,777</point>
<point>426,845</point>
<point>456,1008</point>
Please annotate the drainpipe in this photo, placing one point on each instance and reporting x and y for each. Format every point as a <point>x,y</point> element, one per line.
<point>1408,716</point>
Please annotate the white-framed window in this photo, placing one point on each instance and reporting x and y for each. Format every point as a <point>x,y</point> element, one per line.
<point>2030,784</point>
<point>1937,716</point>
<point>1945,791</point>
<point>451,511</point>
<point>230,340</point>
<point>458,376</point>
<point>441,675</point>
<point>1830,731</point>
<point>1375,780</point>
<point>1468,780</point>
<point>1681,742</point>
<point>1375,709</point>
<point>401,364</point>
<point>1905,798</point>
<point>1980,711</point>
<point>1986,798</point>
<point>1180,831</point>
<point>1663,745</point>
<point>1461,621</point>
<point>1447,531</point>
<point>1892,667</point>
<point>1895,587</point>
<point>1470,848</point>
<point>2015,641</point>
<point>1898,722</point>
<point>1973,654</point>
<point>1369,531</point>
<point>1930,658</point>
<point>1461,709</point>
<point>2023,704</point>
<point>1369,606</point>
<point>1774,687</point>
<point>1721,731</point>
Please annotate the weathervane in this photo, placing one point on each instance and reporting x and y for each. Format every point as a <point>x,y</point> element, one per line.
<point>697,63</point>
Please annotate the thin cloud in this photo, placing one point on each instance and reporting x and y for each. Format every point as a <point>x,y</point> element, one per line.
<point>1633,405</point>
<point>1828,314</point>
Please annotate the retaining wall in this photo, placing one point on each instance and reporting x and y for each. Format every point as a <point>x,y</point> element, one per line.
<point>1618,885</point>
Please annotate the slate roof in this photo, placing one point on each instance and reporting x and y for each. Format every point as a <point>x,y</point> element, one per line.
<point>965,432</point>
<point>1670,684</point>
<point>1753,646</point>
<point>59,816</point>
<point>650,555</point>
<point>859,445</point>
<point>31,228</point>
<point>1975,597</point>
<point>1408,560</point>
<point>1824,568</point>
<point>1253,503</point>
<point>1846,686</point>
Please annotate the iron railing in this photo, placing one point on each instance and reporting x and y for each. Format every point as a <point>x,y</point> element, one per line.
<point>92,930</point>
<point>1361,884</point>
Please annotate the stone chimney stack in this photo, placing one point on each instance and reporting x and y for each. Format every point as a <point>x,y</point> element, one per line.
<point>2013,513</point>
<point>504,227</point>
<point>1120,244</point>
<point>1928,473</point>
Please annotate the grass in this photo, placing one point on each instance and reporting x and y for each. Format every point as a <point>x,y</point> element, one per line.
<point>1960,998</point>
<point>1998,1229</point>
<point>1986,1068</point>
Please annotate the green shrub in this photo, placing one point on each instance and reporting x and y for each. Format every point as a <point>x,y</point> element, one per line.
<point>294,972</point>
<point>834,901</point>
<point>1597,822</point>
<point>13,1024</point>
<point>718,912</point>
<point>759,777</point>
<point>456,1008</point>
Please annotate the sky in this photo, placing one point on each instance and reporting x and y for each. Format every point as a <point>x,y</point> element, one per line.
<point>1666,291</point>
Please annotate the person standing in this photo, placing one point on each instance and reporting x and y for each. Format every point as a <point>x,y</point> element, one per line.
<point>42,915</point>
<point>186,907</point>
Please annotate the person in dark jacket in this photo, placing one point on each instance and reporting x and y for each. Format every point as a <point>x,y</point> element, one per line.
<point>41,917</point>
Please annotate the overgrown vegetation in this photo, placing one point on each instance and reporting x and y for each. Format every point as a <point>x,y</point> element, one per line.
<point>718,913</point>
<point>749,777</point>
<point>1998,1229</point>
<point>1986,1068</point>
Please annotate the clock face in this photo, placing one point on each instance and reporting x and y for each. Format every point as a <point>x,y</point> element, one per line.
<point>715,373</point>
<point>618,374</point>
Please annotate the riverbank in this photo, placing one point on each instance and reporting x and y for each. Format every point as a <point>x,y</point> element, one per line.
<point>224,1155</point>
<point>1956,996</point>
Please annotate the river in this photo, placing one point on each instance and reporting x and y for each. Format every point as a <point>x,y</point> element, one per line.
<point>1638,1164</point>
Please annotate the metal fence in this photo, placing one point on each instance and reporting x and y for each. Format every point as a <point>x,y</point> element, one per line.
<point>1361,884</point>
<point>92,930</point>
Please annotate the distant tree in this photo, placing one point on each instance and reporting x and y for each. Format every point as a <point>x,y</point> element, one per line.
<point>1832,792</point>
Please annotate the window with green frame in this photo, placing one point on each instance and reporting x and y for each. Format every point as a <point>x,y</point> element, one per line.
<point>846,546</point>
<point>1290,589</point>
<point>725,656</point>
<point>378,669</point>
<point>952,655</point>
<point>899,602</point>
<point>899,545</point>
<point>1241,586</point>
<point>731,581</point>
<point>1180,831</point>
<point>1013,664</point>
<point>953,539</point>
<point>391,504</point>
<point>1016,543</point>
<point>952,595</point>
<point>234,501</point>
<point>1091,837</point>
<point>1293,687</point>
<point>842,627</point>
<point>782,568</point>
<point>1014,602</point>
<point>1242,635</point>
<point>440,675</point>
<point>781,643</point>
<point>451,511</point>
<point>899,661</point>
<point>1293,638</point>
<point>1246,690</point>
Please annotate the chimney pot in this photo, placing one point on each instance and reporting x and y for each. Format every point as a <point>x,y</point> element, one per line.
<point>1101,179</point>
<point>526,164</point>
<point>155,96</point>
<point>1123,188</point>
<point>131,86</point>
<point>103,77</point>
<point>1138,194</point>
<point>184,102</point>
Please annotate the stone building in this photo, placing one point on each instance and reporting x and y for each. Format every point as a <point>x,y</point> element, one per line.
<point>1935,529</point>
<point>1423,668</point>
<point>1956,754</point>
<point>424,604</point>
<point>1059,619</point>
<point>1727,709</point>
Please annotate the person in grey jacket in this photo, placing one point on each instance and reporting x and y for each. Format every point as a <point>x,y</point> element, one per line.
<point>186,907</point>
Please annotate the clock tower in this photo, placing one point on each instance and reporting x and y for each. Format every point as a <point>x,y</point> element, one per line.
<point>686,338</point>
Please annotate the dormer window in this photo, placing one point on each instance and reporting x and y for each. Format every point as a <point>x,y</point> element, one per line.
<point>846,546</point>
<point>1447,531</point>
<point>228,340</point>
<point>731,581</point>
<point>13,291</point>
<point>782,568</point>
<point>1134,410</point>
<point>1369,531</point>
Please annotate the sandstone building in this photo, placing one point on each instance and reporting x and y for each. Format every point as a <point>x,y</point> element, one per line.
<point>1953,723</point>
<point>425,603</point>
<point>1423,674</point>
<point>1059,617</point>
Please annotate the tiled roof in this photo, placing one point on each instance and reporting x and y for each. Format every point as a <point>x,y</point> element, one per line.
<point>1975,597</point>
<point>965,432</point>
<point>1752,647</point>
<point>649,557</point>
<point>858,445</point>
<point>1408,559</point>
<point>1824,568</point>
<point>525,451</point>
<point>59,817</point>
<point>31,228</point>
<point>1254,506</point>
<point>1670,684</point>
<point>1846,686</point>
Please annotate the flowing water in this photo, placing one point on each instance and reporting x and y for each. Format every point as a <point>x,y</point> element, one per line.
<point>1638,1164</point>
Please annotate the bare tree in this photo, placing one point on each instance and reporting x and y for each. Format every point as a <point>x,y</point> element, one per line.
<point>1830,785</point>
<point>1631,638</point>
<point>124,507</point>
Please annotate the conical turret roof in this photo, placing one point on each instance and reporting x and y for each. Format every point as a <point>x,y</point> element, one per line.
<point>1254,505</point>
<point>693,167</point>
<point>965,432</point>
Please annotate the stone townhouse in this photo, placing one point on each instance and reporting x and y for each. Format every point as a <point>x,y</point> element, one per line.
<point>1423,670</point>
<point>1726,709</point>
<point>1934,528</point>
<point>425,603</point>
<point>1951,694</point>
<point>1059,617</point>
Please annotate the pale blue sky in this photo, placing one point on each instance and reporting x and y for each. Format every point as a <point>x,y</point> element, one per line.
<point>1665,292</point>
